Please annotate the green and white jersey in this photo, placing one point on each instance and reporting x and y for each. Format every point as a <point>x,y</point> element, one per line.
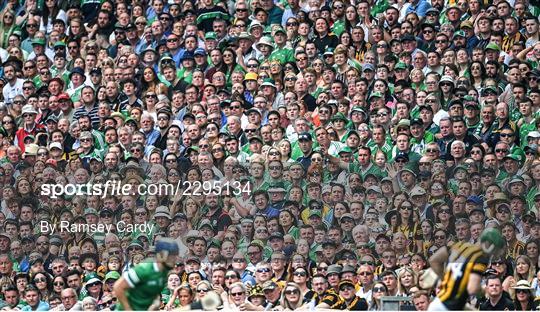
<point>146,282</point>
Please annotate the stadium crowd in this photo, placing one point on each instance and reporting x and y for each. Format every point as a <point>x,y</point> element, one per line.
<point>318,153</point>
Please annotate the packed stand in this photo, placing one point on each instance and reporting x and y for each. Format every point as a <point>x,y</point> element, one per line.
<point>306,155</point>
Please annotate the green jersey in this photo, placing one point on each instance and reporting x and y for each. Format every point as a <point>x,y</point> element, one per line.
<point>283,55</point>
<point>146,282</point>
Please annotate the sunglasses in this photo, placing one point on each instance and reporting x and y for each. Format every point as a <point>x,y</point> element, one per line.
<point>300,273</point>
<point>378,289</point>
<point>205,290</point>
<point>263,270</point>
<point>291,292</point>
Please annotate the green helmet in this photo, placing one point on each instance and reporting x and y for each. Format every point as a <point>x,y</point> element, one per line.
<point>494,237</point>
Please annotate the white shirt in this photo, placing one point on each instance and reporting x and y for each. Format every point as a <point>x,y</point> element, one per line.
<point>11,91</point>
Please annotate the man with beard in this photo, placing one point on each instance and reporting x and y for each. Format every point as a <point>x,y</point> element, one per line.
<point>305,143</point>
<point>86,125</point>
<point>32,297</point>
<point>391,17</point>
<point>219,218</point>
<point>14,85</point>
<point>326,298</point>
<point>460,133</point>
<point>42,243</point>
<point>163,122</point>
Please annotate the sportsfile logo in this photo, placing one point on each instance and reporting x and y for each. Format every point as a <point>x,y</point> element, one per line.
<point>116,188</point>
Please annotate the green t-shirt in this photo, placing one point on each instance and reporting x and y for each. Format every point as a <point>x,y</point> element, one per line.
<point>282,55</point>
<point>146,283</point>
<point>339,27</point>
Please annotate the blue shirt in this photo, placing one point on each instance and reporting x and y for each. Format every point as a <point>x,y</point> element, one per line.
<point>151,137</point>
<point>42,306</point>
<point>419,8</point>
<point>270,212</point>
<point>247,278</point>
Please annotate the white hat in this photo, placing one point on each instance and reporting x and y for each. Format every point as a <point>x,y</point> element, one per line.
<point>55,145</point>
<point>533,134</point>
<point>264,41</point>
<point>446,79</point>
<point>162,211</point>
<point>523,284</point>
<point>31,150</point>
<point>418,191</point>
<point>29,109</point>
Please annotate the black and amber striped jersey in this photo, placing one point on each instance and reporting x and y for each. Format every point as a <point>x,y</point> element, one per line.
<point>517,249</point>
<point>331,298</point>
<point>464,259</point>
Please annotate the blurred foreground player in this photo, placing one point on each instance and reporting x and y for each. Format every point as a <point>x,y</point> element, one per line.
<point>465,264</point>
<point>141,285</point>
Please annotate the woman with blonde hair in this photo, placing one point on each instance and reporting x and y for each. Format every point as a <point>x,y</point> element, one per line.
<point>417,78</point>
<point>190,208</point>
<point>407,279</point>
<point>236,296</point>
<point>524,270</point>
<point>291,297</point>
<point>8,26</point>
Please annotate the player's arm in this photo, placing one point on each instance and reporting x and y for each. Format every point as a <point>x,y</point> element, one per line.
<point>473,286</point>
<point>120,288</point>
<point>436,271</point>
<point>438,259</point>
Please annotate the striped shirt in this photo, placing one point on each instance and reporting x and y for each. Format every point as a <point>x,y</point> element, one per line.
<point>93,113</point>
